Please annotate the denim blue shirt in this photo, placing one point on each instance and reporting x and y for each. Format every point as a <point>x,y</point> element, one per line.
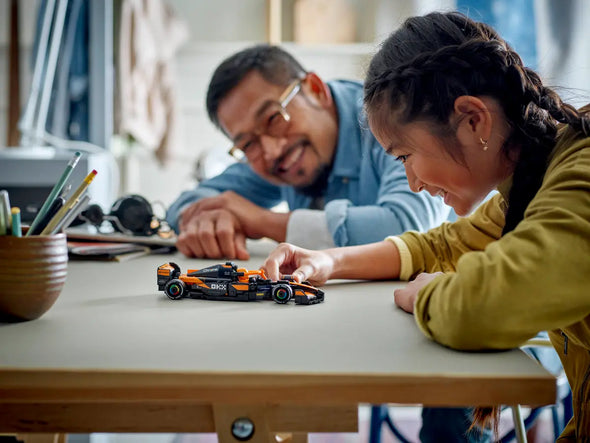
<point>367,196</point>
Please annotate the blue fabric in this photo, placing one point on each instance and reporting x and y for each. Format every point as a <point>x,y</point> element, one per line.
<point>514,21</point>
<point>367,197</point>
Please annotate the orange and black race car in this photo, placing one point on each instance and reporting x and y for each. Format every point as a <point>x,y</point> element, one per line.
<point>228,282</point>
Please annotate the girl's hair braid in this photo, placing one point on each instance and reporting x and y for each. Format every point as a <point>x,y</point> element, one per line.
<point>431,60</point>
<point>535,131</point>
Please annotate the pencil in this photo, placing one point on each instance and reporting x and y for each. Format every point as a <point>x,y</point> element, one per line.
<point>16,228</point>
<point>54,192</point>
<point>49,229</point>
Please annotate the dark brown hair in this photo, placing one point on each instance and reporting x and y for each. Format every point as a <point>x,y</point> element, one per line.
<point>431,60</point>
<point>273,63</point>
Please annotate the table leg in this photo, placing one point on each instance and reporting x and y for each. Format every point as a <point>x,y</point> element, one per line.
<point>291,437</point>
<point>519,429</point>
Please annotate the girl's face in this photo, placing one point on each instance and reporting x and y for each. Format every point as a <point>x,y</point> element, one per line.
<point>463,182</point>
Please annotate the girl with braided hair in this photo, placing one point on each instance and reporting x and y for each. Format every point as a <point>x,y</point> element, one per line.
<point>453,102</point>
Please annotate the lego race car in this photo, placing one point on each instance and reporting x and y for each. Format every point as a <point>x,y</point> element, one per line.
<point>228,282</point>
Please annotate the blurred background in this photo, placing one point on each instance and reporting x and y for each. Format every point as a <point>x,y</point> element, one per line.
<point>125,80</point>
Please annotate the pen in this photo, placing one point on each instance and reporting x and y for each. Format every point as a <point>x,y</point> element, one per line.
<point>70,216</point>
<point>66,190</point>
<point>54,192</point>
<point>55,206</point>
<point>5,208</point>
<point>69,204</point>
<point>16,229</point>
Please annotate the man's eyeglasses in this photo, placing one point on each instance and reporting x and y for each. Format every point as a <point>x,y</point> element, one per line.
<point>274,122</point>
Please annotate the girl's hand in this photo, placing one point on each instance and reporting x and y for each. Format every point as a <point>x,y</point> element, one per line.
<point>303,264</point>
<point>405,298</point>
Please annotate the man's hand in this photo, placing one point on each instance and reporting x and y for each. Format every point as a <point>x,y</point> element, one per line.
<point>405,298</point>
<point>212,234</point>
<point>254,221</point>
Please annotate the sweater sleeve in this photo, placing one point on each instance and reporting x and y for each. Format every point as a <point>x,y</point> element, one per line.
<point>439,249</point>
<point>534,278</point>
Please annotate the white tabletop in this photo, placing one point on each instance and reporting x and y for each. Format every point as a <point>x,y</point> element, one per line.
<point>111,319</point>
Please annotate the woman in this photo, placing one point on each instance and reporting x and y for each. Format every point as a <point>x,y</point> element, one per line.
<point>452,101</point>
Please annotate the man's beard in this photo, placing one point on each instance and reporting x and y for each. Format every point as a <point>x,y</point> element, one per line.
<point>319,184</point>
<point>317,188</point>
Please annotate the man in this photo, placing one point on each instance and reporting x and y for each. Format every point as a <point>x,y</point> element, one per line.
<point>299,141</point>
<point>304,142</point>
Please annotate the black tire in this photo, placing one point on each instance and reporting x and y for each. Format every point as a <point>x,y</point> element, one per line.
<point>282,293</point>
<point>175,289</point>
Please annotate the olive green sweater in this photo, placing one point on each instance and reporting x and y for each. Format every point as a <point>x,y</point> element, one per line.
<point>497,292</point>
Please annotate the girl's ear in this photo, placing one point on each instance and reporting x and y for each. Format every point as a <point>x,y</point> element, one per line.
<point>316,87</point>
<point>475,121</point>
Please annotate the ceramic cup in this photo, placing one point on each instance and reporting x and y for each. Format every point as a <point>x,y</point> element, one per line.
<point>33,271</point>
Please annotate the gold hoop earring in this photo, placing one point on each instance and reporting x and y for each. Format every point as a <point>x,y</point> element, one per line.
<point>484,143</point>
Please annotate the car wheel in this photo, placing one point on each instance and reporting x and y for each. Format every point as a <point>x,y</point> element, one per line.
<point>175,289</point>
<point>282,293</point>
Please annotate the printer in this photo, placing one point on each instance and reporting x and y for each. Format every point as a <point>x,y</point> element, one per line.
<point>30,173</point>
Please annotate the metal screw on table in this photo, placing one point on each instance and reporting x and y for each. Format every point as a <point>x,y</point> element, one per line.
<point>242,429</point>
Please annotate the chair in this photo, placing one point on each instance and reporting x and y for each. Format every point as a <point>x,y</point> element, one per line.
<point>379,415</point>
<point>561,411</point>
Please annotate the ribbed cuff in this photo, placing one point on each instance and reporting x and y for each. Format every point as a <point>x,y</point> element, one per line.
<point>406,267</point>
<point>308,228</point>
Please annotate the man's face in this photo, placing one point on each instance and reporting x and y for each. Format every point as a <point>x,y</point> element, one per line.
<point>308,141</point>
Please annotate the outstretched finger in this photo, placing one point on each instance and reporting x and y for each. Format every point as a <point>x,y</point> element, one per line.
<point>276,259</point>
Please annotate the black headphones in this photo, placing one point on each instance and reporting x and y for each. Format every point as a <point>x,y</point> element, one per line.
<point>131,214</point>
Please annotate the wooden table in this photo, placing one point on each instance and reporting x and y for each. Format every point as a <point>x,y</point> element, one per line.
<point>115,355</point>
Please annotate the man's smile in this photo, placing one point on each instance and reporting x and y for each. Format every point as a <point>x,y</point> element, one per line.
<point>290,159</point>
